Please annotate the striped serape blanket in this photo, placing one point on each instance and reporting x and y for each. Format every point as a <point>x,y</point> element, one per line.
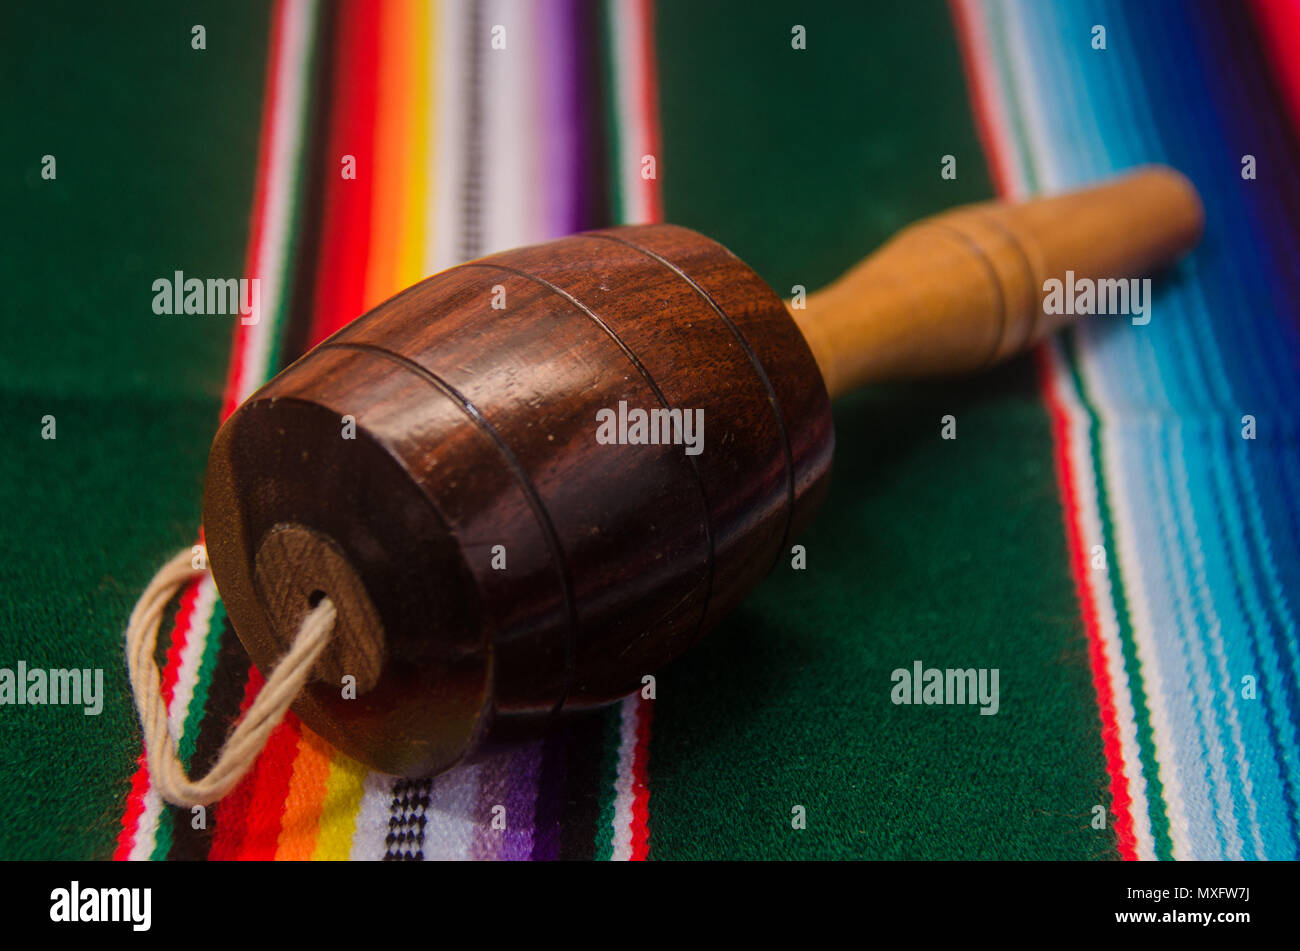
<point>1115,530</point>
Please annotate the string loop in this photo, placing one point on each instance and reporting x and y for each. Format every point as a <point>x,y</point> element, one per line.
<point>243,746</point>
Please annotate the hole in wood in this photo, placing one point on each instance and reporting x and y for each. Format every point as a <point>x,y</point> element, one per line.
<point>294,569</point>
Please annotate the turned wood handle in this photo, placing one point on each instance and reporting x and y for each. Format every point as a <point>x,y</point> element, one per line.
<point>964,289</point>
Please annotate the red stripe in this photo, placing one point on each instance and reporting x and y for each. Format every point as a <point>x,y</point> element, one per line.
<point>999,169</point>
<point>1121,803</point>
<point>341,275</point>
<point>246,824</point>
<point>140,781</point>
<point>993,144</point>
<point>650,104</point>
<point>270,795</point>
<point>641,782</point>
<point>228,828</point>
<point>1279,30</point>
<point>134,810</point>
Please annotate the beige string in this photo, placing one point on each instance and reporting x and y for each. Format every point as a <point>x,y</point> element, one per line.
<point>166,772</point>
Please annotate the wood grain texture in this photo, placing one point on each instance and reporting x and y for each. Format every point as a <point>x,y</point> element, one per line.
<point>476,428</point>
<point>294,567</point>
<point>964,289</point>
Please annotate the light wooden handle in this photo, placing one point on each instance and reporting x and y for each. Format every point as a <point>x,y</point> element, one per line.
<point>964,289</point>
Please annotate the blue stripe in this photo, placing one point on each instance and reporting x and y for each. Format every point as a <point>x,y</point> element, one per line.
<point>1241,285</point>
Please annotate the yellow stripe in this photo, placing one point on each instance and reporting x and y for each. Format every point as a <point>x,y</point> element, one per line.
<point>338,815</point>
<point>420,170</point>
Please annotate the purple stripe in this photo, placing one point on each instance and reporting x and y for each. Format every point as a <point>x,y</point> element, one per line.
<point>521,802</point>
<point>509,778</point>
<point>550,797</point>
<point>562,111</point>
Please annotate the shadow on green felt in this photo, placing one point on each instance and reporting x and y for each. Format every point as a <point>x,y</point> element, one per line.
<point>943,551</point>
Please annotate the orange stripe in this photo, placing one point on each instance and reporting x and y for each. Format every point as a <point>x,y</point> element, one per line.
<point>306,798</point>
<point>393,114</point>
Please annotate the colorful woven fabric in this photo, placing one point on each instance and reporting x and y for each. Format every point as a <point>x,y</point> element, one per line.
<point>1122,685</point>
<point>1200,521</point>
<point>432,147</point>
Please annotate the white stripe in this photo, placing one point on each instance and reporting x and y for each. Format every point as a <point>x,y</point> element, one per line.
<point>371,828</point>
<point>1035,119</point>
<point>453,817</point>
<point>287,131</point>
<point>1208,692</point>
<point>1143,619</point>
<point>624,792</point>
<point>514,164</point>
<point>1179,634</point>
<point>146,830</point>
<point>449,100</point>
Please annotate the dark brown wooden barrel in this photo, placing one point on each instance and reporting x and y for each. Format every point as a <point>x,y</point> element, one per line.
<point>475,397</point>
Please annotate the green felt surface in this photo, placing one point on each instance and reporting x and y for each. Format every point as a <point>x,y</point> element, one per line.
<point>950,552</point>
<point>155,162</point>
<point>946,551</point>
